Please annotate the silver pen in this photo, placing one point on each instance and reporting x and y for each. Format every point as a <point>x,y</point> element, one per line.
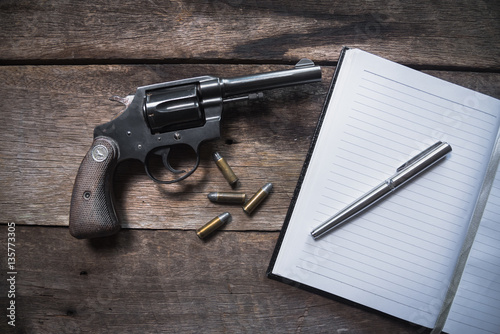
<point>404,173</point>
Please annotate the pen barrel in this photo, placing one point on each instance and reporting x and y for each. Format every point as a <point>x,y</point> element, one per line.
<point>406,173</point>
<point>354,209</point>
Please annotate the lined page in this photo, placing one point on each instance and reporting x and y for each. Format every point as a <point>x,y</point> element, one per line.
<point>476,307</point>
<point>398,256</point>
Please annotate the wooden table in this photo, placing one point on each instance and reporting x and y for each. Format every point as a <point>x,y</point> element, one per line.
<point>62,60</point>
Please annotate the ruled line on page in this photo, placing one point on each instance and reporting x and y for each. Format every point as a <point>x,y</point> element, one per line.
<point>413,96</point>
<point>397,118</point>
<point>379,84</point>
<point>418,116</point>
<point>404,248</point>
<point>387,256</point>
<point>418,278</point>
<point>487,268</point>
<point>492,309</point>
<point>428,93</point>
<point>413,105</point>
<point>376,228</point>
<point>466,314</point>
<point>398,124</point>
<point>447,230</point>
<point>371,292</point>
<point>483,293</point>
<point>472,133</point>
<point>416,269</point>
<point>374,285</point>
<point>464,202</point>
<point>422,234</point>
<point>419,285</point>
<point>473,277</point>
<point>373,269</point>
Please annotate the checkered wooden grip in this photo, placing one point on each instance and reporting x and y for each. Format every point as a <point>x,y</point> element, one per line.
<point>92,213</point>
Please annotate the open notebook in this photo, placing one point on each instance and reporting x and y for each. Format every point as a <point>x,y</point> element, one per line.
<point>404,255</point>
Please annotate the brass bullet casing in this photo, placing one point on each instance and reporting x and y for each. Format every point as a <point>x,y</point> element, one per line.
<point>213,225</point>
<point>226,170</point>
<point>236,198</point>
<point>256,199</point>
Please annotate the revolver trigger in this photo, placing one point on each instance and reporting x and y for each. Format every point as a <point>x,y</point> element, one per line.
<point>164,152</point>
<point>164,158</point>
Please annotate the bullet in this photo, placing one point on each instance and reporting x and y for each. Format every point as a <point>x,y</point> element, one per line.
<point>256,199</point>
<point>213,225</point>
<point>218,197</point>
<point>226,170</point>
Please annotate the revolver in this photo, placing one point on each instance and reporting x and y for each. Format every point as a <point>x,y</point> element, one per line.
<point>156,118</point>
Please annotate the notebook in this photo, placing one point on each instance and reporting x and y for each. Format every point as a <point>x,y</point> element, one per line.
<point>430,252</point>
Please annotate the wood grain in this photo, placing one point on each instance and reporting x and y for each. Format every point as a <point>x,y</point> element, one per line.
<point>425,33</point>
<point>167,282</point>
<point>47,124</point>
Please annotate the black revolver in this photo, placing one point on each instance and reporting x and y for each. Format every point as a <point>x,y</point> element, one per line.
<point>156,118</point>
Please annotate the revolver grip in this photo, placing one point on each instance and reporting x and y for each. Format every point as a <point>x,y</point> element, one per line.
<point>92,213</point>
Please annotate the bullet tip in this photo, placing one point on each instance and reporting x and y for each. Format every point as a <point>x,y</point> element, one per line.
<point>217,156</point>
<point>225,217</point>
<point>268,187</point>
<point>212,196</point>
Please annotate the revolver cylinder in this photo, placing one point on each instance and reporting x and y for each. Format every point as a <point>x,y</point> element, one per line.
<point>173,108</point>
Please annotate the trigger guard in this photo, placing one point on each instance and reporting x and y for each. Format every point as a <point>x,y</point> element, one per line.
<point>148,172</point>
<point>164,159</point>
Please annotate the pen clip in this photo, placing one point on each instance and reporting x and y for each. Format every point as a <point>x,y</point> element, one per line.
<point>419,156</point>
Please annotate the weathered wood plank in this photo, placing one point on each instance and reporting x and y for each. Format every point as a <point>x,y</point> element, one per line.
<point>443,33</point>
<point>48,117</point>
<point>167,281</point>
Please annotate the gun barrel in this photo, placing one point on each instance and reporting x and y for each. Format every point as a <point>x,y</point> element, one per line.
<point>304,72</point>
